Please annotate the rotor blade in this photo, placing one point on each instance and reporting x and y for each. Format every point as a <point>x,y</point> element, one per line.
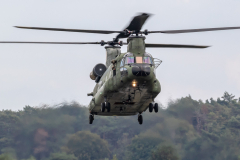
<point>72,30</point>
<point>50,42</point>
<point>135,25</point>
<point>174,46</point>
<point>194,30</point>
<point>137,22</point>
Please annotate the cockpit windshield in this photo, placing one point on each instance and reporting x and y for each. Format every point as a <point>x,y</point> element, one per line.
<point>129,60</point>
<point>147,60</point>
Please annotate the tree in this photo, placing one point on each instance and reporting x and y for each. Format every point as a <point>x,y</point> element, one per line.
<point>31,158</point>
<point>6,157</point>
<point>198,130</point>
<point>165,152</point>
<point>115,157</point>
<point>228,97</point>
<point>87,146</point>
<point>62,156</point>
<point>143,145</point>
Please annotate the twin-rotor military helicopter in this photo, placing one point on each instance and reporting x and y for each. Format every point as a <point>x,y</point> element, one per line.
<point>126,84</point>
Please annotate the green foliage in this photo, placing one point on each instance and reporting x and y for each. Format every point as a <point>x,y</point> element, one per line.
<point>165,152</point>
<point>6,157</point>
<point>143,145</point>
<point>62,156</point>
<point>228,97</point>
<point>115,157</point>
<point>187,129</point>
<point>87,146</point>
<point>9,152</point>
<point>31,158</point>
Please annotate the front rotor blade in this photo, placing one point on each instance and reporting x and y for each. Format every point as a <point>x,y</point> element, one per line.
<point>50,42</point>
<point>135,25</point>
<point>71,30</point>
<point>194,30</point>
<point>174,46</point>
<point>137,22</point>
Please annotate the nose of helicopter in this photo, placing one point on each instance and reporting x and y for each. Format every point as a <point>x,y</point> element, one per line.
<point>141,69</point>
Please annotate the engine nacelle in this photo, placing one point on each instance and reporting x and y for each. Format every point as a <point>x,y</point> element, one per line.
<point>97,72</point>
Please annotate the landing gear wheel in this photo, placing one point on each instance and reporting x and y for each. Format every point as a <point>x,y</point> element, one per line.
<point>150,107</point>
<point>140,119</point>
<point>103,106</point>
<point>108,106</point>
<point>91,119</point>
<point>156,107</point>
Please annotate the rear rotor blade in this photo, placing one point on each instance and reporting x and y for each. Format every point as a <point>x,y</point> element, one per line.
<point>135,25</point>
<point>72,30</point>
<point>194,30</point>
<point>102,43</point>
<point>174,46</point>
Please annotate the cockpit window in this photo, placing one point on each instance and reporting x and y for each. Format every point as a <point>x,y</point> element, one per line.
<point>147,60</point>
<point>129,60</point>
<point>139,60</point>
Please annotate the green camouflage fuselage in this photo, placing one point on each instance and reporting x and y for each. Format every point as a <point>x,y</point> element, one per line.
<point>124,88</point>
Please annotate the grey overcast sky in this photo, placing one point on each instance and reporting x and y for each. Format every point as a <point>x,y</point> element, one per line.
<point>51,74</point>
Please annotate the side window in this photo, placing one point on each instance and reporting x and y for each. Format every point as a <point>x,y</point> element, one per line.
<point>123,71</point>
<point>127,59</point>
<point>122,63</point>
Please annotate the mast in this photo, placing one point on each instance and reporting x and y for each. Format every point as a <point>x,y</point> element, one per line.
<point>136,45</point>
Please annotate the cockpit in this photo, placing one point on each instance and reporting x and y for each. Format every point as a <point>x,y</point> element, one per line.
<point>140,65</point>
<point>130,59</point>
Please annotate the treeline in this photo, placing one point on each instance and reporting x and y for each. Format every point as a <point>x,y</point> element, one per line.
<point>186,130</point>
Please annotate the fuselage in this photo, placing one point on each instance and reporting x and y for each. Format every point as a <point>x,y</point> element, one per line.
<point>129,84</point>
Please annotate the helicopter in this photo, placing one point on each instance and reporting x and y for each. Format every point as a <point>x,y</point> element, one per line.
<point>126,84</point>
